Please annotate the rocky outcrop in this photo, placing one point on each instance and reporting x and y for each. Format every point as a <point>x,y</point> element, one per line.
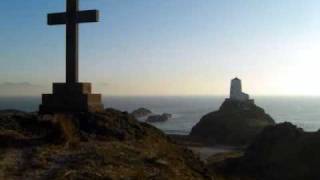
<point>106,145</point>
<point>284,152</point>
<point>159,118</point>
<point>279,152</point>
<point>141,112</point>
<point>167,115</point>
<point>235,123</point>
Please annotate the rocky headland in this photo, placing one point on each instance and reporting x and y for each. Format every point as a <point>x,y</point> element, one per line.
<point>106,145</point>
<point>235,123</point>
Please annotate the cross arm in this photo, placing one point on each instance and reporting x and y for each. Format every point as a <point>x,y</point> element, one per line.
<point>57,19</point>
<point>88,16</point>
<point>82,17</point>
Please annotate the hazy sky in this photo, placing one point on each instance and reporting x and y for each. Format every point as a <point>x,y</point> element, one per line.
<point>166,47</point>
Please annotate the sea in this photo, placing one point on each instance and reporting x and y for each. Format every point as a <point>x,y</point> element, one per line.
<point>304,112</point>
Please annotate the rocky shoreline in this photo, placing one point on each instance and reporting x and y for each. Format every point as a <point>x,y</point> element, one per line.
<point>113,145</point>
<point>279,152</point>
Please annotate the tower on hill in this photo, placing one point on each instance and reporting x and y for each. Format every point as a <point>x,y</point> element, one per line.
<point>236,91</point>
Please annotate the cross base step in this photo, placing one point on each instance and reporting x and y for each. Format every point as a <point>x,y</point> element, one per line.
<point>74,97</point>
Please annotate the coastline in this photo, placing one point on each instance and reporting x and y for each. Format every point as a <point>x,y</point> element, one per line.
<point>204,151</point>
<point>301,111</point>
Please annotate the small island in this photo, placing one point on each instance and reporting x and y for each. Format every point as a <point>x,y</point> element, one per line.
<point>141,112</point>
<point>149,116</point>
<point>159,118</point>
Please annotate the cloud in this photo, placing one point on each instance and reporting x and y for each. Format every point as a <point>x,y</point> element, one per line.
<point>20,89</point>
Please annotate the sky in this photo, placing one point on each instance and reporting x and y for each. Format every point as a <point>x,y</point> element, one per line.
<point>166,47</point>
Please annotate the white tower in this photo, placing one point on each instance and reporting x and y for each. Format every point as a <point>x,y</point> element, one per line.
<point>236,91</point>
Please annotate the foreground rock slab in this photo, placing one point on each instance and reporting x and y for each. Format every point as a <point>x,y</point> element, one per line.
<point>106,145</point>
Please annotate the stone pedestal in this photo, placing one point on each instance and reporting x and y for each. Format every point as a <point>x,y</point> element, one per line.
<point>74,97</point>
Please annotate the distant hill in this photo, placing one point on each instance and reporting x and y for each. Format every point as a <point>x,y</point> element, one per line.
<point>20,89</point>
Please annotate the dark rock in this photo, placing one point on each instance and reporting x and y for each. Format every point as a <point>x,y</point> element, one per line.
<point>284,152</point>
<point>279,152</point>
<point>167,115</point>
<point>159,118</point>
<point>235,123</point>
<point>141,112</point>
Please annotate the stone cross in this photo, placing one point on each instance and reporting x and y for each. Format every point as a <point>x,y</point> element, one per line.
<point>71,18</point>
<point>72,96</point>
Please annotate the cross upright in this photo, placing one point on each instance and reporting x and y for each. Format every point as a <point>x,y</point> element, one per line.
<point>71,18</point>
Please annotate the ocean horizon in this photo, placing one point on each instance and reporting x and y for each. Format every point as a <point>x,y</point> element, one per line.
<point>302,111</point>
